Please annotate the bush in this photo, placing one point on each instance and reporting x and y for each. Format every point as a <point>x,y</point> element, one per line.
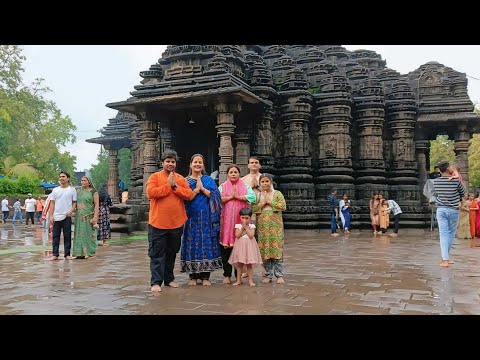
<point>21,186</point>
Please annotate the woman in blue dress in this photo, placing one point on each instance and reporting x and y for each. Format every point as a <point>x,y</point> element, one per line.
<point>344,206</point>
<point>200,250</point>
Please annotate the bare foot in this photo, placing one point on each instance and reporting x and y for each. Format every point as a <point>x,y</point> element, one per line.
<point>335,234</point>
<point>393,235</point>
<point>444,263</point>
<point>244,275</point>
<point>206,283</point>
<point>173,285</point>
<point>155,289</point>
<point>266,280</point>
<point>53,258</point>
<point>451,262</point>
<point>68,257</point>
<point>237,282</point>
<point>226,280</point>
<point>251,283</point>
<point>280,280</point>
<point>192,282</point>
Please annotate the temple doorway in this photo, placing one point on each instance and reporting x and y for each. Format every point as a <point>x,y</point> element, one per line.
<point>195,133</point>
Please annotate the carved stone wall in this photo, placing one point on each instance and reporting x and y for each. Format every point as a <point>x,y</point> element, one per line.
<point>328,117</point>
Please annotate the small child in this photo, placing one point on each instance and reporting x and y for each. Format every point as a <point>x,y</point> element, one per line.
<point>245,250</point>
<point>455,173</point>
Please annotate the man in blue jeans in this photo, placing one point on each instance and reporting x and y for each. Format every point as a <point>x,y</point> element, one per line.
<point>333,205</point>
<point>448,191</point>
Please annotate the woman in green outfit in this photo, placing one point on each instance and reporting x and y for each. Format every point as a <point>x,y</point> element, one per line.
<point>86,217</point>
<point>268,207</point>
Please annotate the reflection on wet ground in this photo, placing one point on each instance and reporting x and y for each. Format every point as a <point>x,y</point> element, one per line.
<point>361,274</point>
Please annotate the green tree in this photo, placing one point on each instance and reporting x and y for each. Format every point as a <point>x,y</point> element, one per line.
<point>474,157</point>
<point>99,170</point>
<point>10,169</point>
<point>32,128</point>
<point>441,149</point>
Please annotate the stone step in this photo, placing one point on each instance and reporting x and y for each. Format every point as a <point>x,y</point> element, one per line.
<point>119,227</point>
<point>118,218</point>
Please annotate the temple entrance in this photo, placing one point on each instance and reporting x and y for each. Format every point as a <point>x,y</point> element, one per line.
<point>195,133</point>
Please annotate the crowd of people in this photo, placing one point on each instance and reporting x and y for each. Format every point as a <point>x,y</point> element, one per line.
<point>235,226</point>
<point>380,210</point>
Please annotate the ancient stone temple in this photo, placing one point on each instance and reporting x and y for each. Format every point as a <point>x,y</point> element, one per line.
<point>317,116</point>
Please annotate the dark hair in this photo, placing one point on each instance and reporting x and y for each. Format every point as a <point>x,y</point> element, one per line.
<point>268,176</point>
<point>103,193</point>
<point>333,190</point>
<point>233,166</point>
<point>254,158</point>
<point>443,166</point>
<point>436,167</point>
<point>64,172</point>
<point>477,195</point>
<point>169,154</point>
<point>246,211</point>
<point>191,160</point>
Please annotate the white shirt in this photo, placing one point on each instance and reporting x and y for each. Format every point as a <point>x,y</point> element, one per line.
<point>5,205</point>
<point>392,205</point>
<point>30,205</point>
<point>63,197</point>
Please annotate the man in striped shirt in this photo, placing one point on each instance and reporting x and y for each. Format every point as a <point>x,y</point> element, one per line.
<point>448,194</point>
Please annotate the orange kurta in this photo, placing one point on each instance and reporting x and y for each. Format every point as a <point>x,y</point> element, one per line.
<point>167,208</point>
<point>473,217</point>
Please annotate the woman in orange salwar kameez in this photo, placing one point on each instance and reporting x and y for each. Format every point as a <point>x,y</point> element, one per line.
<point>473,214</point>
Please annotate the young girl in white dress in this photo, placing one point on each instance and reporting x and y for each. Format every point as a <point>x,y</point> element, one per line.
<point>245,250</point>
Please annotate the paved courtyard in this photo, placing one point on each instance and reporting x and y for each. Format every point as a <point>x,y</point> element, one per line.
<point>361,274</point>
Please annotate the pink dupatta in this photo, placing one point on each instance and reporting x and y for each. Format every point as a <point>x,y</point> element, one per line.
<point>231,211</point>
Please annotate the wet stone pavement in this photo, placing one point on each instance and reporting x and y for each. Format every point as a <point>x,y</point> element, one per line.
<point>361,274</point>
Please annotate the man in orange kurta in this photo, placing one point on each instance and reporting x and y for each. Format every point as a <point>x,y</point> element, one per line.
<point>167,191</point>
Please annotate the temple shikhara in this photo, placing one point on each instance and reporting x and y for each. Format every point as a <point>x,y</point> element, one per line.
<point>317,116</point>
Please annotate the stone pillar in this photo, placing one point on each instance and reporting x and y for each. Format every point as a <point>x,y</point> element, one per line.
<point>462,137</point>
<point>167,139</point>
<point>150,156</point>
<point>112,183</point>
<point>369,102</point>
<point>422,147</point>
<point>242,151</point>
<point>295,178</point>
<point>333,126</point>
<point>263,144</point>
<point>403,181</point>
<point>225,130</point>
<point>135,190</point>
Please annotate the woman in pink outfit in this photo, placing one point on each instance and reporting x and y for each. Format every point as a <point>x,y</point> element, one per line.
<point>235,196</point>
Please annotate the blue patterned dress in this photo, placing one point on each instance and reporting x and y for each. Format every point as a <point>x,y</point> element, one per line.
<point>200,251</point>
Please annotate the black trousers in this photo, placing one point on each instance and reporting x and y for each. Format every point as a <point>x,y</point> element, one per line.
<point>163,246</point>
<point>30,215</point>
<point>200,276</point>
<point>396,220</point>
<point>58,226</point>
<point>227,267</point>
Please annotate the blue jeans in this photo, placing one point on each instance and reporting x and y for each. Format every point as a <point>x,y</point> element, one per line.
<point>17,214</point>
<point>447,219</point>
<point>333,224</point>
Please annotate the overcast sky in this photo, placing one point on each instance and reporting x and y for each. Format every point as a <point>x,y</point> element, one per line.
<point>86,77</point>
